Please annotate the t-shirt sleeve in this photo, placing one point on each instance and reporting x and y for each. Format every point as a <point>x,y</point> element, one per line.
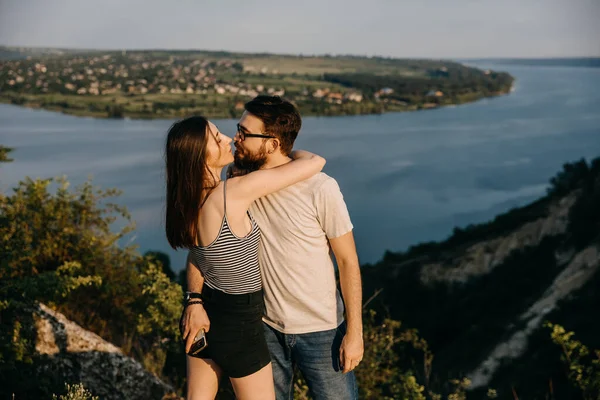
<point>331,209</point>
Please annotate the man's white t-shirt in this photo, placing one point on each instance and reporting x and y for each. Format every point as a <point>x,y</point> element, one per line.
<point>298,274</point>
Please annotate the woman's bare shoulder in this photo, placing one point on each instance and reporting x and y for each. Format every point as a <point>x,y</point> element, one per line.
<point>215,196</point>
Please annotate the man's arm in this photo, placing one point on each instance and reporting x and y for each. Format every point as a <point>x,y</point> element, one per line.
<point>334,218</point>
<point>344,249</point>
<point>194,316</point>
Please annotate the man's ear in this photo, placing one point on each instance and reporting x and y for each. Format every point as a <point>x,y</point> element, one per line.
<point>274,146</point>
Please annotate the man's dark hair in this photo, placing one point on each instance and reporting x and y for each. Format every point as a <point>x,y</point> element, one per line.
<point>281,119</point>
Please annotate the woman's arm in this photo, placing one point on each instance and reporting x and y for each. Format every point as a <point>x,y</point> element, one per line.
<point>260,183</point>
<point>193,318</point>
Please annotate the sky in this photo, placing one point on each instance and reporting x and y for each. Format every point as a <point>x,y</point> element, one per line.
<point>417,28</point>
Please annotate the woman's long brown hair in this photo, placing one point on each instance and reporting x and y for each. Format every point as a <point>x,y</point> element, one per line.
<point>189,181</point>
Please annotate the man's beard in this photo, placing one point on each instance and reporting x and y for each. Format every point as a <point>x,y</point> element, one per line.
<point>250,162</point>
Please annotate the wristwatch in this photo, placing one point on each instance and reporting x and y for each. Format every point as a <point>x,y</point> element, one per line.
<point>192,295</point>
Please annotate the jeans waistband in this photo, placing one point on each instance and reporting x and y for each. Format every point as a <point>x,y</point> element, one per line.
<point>216,296</point>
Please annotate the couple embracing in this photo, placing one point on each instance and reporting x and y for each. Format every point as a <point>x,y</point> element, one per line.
<point>263,298</point>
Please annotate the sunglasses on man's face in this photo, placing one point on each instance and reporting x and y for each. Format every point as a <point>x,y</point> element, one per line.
<point>241,131</point>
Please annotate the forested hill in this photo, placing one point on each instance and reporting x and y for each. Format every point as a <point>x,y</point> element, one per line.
<point>481,298</point>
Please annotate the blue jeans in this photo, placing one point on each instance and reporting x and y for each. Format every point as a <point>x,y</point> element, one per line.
<point>317,355</point>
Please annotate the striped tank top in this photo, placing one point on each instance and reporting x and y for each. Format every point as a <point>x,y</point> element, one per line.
<point>230,263</point>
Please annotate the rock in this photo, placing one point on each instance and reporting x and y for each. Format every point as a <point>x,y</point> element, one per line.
<point>581,268</point>
<point>482,257</point>
<point>72,354</point>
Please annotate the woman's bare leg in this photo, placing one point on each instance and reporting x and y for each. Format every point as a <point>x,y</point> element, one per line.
<point>258,386</point>
<point>202,378</point>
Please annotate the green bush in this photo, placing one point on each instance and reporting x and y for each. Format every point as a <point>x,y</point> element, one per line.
<point>59,247</point>
<point>583,365</point>
<point>4,153</point>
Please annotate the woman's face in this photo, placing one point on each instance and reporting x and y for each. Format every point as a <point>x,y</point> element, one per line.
<point>218,148</point>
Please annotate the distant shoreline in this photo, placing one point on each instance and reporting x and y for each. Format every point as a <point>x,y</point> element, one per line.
<point>579,62</point>
<point>35,103</point>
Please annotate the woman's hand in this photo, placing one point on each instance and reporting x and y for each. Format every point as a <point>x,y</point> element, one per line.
<point>193,320</point>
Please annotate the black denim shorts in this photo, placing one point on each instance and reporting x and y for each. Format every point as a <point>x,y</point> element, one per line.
<point>236,339</point>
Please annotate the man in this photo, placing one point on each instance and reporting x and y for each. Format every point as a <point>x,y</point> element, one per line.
<point>304,313</point>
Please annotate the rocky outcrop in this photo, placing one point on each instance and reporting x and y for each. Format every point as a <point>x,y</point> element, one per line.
<point>73,354</point>
<point>581,268</point>
<point>482,257</point>
<point>481,297</point>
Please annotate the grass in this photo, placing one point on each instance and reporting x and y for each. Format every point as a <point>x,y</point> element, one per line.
<point>322,65</point>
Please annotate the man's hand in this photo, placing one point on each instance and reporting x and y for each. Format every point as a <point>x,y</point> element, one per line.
<point>351,351</point>
<point>193,320</point>
<point>352,348</point>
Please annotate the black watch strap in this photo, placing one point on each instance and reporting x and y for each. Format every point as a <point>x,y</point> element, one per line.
<point>192,295</point>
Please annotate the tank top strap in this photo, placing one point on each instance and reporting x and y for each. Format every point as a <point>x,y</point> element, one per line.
<point>252,221</point>
<point>225,198</point>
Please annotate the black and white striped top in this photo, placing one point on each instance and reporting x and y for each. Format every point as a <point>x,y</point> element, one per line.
<point>230,263</point>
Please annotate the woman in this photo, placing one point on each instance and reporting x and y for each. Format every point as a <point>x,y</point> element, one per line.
<point>210,217</point>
